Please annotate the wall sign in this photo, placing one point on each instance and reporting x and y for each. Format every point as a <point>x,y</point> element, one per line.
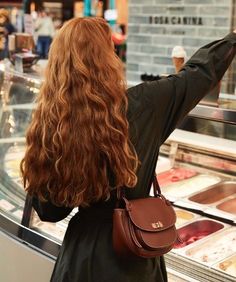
<point>173,20</point>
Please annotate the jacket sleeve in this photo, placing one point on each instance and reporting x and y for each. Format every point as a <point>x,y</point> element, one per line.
<point>48,211</point>
<point>173,97</point>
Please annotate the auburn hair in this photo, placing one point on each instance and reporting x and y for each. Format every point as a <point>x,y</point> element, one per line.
<point>79,130</point>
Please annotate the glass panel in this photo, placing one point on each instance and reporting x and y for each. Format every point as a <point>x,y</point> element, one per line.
<point>209,127</point>
<point>17,94</point>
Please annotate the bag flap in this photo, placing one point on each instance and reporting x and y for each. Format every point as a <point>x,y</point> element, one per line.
<point>156,240</point>
<point>151,214</point>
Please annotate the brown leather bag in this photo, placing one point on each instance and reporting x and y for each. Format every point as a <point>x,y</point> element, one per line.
<point>144,227</point>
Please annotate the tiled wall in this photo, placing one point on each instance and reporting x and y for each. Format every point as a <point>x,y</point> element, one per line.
<point>156,26</point>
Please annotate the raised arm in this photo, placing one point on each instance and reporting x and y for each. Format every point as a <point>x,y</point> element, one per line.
<point>173,97</point>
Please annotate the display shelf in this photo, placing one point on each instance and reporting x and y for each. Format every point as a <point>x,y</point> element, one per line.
<point>225,111</point>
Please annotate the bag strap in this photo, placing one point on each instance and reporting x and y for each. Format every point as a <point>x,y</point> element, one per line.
<point>120,192</point>
<point>156,186</point>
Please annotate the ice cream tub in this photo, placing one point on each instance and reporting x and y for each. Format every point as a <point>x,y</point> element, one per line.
<point>175,175</point>
<point>196,230</point>
<point>214,248</point>
<point>215,193</point>
<point>228,206</point>
<point>183,217</point>
<point>190,186</point>
<point>228,265</point>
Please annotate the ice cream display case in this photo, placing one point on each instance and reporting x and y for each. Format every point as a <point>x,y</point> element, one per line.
<point>17,94</point>
<point>196,171</point>
<point>201,184</point>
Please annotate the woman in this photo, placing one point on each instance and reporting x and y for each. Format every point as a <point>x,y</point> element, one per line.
<point>45,31</point>
<point>6,28</point>
<point>89,135</point>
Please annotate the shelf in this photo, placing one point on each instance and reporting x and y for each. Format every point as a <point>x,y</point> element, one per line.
<point>225,112</point>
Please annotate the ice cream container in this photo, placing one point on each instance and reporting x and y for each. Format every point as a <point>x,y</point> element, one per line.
<point>175,175</point>
<point>183,217</point>
<point>228,265</point>
<point>178,63</point>
<point>215,193</point>
<point>197,230</point>
<point>190,186</point>
<point>214,248</point>
<point>228,206</point>
<point>179,57</point>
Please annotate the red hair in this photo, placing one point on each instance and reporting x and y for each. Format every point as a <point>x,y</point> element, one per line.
<point>79,129</point>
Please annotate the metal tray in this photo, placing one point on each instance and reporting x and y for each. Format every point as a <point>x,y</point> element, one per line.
<point>184,217</point>
<point>196,231</point>
<point>215,193</point>
<point>214,248</point>
<point>187,187</point>
<point>227,265</point>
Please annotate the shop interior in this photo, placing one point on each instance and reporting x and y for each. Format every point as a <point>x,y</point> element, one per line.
<point>196,169</point>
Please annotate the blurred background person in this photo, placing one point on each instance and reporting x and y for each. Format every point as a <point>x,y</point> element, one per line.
<point>179,57</point>
<point>6,28</point>
<point>45,31</point>
<point>119,39</point>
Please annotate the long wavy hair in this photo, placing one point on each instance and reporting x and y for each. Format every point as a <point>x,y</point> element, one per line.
<point>79,130</point>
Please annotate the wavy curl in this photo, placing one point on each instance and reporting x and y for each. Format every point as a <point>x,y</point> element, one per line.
<point>79,130</point>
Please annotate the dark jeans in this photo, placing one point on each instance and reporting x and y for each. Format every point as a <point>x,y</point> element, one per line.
<point>43,45</point>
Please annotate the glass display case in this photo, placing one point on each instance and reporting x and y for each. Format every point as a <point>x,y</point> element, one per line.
<point>201,183</point>
<point>17,101</point>
<point>196,170</point>
<point>17,93</point>
<point>202,186</point>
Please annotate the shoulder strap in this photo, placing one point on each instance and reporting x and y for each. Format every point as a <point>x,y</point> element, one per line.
<point>120,193</point>
<point>156,186</point>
